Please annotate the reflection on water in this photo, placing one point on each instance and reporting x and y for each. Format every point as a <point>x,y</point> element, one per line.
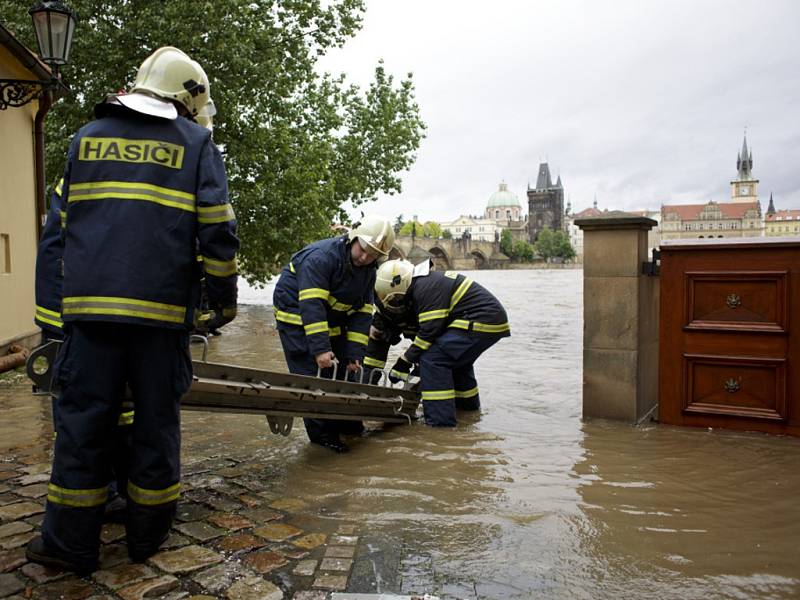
<point>523,500</point>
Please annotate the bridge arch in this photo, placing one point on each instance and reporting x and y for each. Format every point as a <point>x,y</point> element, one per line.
<point>441,260</point>
<point>481,260</point>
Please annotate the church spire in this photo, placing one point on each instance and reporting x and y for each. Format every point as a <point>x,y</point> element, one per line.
<point>744,161</point>
<point>771,208</point>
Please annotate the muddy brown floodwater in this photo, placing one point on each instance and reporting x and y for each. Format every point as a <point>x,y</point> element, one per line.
<point>524,500</point>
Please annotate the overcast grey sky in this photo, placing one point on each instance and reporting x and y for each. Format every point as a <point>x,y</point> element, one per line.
<point>640,102</point>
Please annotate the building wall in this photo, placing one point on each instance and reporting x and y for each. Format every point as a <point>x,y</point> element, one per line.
<point>17,212</point>
<point>782,228</point>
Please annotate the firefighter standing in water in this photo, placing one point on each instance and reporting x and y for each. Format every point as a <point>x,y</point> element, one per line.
<point>323,309</point>
<point>456,320</point>
<point>142,190</point>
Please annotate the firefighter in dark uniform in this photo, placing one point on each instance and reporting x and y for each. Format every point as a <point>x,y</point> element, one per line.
<point>457,320</point>
<point>323,310</point>
<point>142,188</point>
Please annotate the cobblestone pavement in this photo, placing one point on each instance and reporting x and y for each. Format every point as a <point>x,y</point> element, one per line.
<point>231,539</point>
<point>234,536</point>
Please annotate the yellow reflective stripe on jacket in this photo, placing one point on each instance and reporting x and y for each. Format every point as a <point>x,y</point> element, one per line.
<point>128,307</point>
<point>125,418</point>
<point>124,190</point>
<point>63,215</point>
<point>491,327</point>
<point>309,293</point>
<point>367,308</point>
<point>358,338</point>
<point>291,267</point>
<point>79,498</point>
<point>467,393</point>
<point>374,362</point>
<point>50,317</point>
<point>287,317</point>
<point>59,186</point>
<point>430,315</point>
<point>219,268</point>
<point>318,327</point>
<point>438,394</point>
<point>459,293</point>
<point>340,306</point>
<point>153,497</point>
<point>334,331</point>
<point>482,327</point>
<point>418,341</point>
<point>219,213</point>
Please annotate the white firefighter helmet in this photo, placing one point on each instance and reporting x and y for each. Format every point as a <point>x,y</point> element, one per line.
<point>375,234</point>
<point>169,74</point>
<point>392,282</point>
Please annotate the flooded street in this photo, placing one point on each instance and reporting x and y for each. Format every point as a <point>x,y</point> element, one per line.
<point>524,500</point>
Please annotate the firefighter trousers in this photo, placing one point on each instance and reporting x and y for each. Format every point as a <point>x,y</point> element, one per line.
<point>447,378</point>
<point>303,363</point>
<point>93,368</point>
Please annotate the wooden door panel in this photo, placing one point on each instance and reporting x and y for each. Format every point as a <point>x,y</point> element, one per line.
<point>734,386</point>
<point>739,301</point>
<point>728,354</point>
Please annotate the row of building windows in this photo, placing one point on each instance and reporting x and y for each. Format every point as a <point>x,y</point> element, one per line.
<point>701,226</point>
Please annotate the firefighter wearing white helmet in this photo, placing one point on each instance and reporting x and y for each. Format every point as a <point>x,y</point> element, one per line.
<point>375,235</point>
<point>323,308</point>
<point>168,74</point>
<point>452,320</point>
<point>129,287</point>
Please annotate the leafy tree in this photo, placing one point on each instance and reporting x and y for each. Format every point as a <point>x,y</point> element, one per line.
<point>522,251</point>
<point>432,229</point>
<point>507,243</point>
<point>551,244</point>
<point>298,144</point>
<point>398,223</point>
<point>447,234</point>
<point>418,228</point>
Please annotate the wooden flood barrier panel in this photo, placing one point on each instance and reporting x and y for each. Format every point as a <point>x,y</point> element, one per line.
<point>730,334</point>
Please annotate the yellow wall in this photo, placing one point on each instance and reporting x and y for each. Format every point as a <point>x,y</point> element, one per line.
<point>17,211</point>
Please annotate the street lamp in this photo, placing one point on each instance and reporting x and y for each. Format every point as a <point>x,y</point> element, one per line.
<point>54,23</point>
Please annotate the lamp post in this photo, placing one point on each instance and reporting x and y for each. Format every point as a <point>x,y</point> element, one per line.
<point>54,23</point>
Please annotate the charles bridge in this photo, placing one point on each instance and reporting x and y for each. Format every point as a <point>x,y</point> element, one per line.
<point>458,253</point>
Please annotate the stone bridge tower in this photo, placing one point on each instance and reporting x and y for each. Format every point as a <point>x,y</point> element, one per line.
<point>545,204</point>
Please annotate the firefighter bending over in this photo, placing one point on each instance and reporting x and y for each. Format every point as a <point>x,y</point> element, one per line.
<point>455,319</point>
<point>323,309</point>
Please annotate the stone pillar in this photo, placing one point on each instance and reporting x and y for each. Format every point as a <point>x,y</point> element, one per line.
<point>620,319</point>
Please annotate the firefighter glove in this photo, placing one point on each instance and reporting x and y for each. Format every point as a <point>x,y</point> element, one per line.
<point>400,370</point>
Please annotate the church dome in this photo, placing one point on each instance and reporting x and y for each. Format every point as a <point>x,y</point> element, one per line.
<point>503,197</point>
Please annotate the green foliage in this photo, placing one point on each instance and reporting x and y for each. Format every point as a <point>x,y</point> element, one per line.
<point>518,251</point>
<point>506,243</point>
<point>554,244</point>
<point>432,229</point>
<point>398,223</point>
<point>447,234</point>
<point>298,144</point>
<point>418,228</point>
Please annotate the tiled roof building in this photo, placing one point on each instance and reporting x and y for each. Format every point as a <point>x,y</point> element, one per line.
<point>738,217</point>
<point>782,223</point>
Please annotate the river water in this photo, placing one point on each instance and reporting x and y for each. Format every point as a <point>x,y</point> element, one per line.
<point>527,500</point>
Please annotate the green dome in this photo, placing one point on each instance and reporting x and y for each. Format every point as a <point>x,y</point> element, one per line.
<point>503,197</point>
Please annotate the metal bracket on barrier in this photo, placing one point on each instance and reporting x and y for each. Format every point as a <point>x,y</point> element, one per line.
<point>280,425</point>
<point>201,338</point>
<point>652,267</point>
